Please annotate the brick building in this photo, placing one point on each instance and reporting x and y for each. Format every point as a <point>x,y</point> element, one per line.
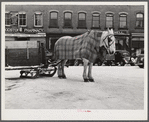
<point>36,25</point>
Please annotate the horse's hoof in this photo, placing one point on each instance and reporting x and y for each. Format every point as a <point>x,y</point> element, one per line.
<point>91,80</point>
<point>64,77</point>
<point>86,80</point>
<point>59,77</point>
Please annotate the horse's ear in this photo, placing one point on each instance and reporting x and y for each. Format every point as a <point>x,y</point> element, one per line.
<point>110,30</point>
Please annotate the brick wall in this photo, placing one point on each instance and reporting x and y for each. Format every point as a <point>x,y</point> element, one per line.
<point>45,9</point>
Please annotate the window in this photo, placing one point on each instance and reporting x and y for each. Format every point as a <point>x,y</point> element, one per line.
<point>109,20</point>
<point>68,20</point>
<point>22,19</point>
<point>95,20</point>
<point>15,18</point>
<point>82,20</point>
<point>7,19</point>
<point>38,20</point>
<point>53,19</point>
<point>122,21</point>
<point>139,20</point>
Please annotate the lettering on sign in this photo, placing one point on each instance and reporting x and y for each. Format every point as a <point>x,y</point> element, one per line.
<point>25,30</point>
<point>33,30</point>
<point>11,30</point>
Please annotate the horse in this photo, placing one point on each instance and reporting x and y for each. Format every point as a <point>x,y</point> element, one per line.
<point>88,47</point>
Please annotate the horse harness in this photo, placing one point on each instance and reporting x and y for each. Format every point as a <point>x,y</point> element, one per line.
<point>110,41</point>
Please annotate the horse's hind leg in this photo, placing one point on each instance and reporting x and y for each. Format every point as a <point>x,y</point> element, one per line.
<point>61,73</point>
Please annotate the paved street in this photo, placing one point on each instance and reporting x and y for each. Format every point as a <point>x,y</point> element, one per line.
<point>115,87</point>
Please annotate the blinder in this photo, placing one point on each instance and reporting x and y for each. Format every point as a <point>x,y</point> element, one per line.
<point>110,42</point>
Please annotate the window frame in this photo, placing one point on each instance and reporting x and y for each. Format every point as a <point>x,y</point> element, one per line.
<point>7,12</point>
<point>50,26</point>
<point>125,21</point>
<point>19,19</point>
<point>139,19</point>
<point>64,19</point>
<point>92,21</point>
<point>112,20</point>
<point>82,27</point>
<point>41,19</point>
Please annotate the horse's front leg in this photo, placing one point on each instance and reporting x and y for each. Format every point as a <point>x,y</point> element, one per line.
<point>90,72</point>
<point>85,62</point>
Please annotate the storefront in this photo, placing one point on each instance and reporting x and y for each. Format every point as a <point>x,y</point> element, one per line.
<point>123,41</point>
<point>24,49</point>
<point>137,43</point>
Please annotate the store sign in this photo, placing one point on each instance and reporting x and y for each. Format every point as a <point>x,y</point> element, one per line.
<point>122,32</point>
<point>11,30</point>
<point>33,30</point>
<point>24,30</point>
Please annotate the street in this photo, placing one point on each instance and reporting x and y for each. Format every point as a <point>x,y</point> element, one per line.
<point>115,87</point>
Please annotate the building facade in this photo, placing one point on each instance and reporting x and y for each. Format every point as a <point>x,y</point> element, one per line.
<point>44,24</point>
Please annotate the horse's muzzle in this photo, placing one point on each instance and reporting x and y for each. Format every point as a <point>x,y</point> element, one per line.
<point>111,52</point>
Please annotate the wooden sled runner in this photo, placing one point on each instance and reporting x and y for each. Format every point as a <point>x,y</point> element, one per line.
<point>35,71</point>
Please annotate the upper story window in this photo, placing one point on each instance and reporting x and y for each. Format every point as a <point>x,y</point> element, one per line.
<point>95,20</point>
<point>82,20</point>
<point>7,19</point>
<point>16,18</point>
<point>53,19</point>
<point>22,19</point>
<point>109,20</point>
<point>139,20</point>
<point>68,20</point>
<point>38,19</point>
<point>123,21</point>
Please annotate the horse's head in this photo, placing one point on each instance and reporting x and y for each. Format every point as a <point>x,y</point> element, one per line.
<point>108,41</point>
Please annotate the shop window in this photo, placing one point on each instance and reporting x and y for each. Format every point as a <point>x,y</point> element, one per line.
<point>109,20</point>
<point>22,19</point>
<point>38,19</point>
<point>82,20</point>
<point>67,20</point>
<point>95,20</point>
<point>139,20</point>
<point>54,19</point>
<point>123,21</point>
<point>7,19</point>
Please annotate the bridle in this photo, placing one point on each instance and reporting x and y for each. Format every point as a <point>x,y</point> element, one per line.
<point>110,42</point>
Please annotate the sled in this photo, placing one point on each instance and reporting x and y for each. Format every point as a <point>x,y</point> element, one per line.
<point>35,71</point>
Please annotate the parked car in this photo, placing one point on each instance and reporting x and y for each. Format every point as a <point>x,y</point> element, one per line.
<point>123,57</point>
<point>140,59</point>
<point>109,60</point>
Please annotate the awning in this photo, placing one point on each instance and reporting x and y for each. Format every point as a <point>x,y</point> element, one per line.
<point>137,39</point>
<point>25,35</point>
<point>138,35</point>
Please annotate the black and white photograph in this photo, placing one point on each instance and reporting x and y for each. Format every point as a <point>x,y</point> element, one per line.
<point>74,60</point>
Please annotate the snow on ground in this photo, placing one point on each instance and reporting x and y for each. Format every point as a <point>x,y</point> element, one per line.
<point>115,87</point>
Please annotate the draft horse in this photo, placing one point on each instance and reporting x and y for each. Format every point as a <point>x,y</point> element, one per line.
<point>88,47</point>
